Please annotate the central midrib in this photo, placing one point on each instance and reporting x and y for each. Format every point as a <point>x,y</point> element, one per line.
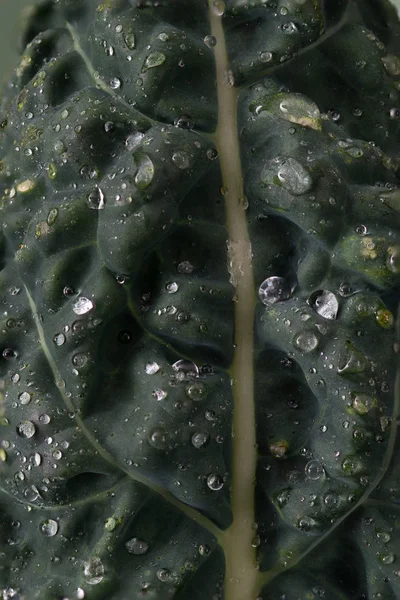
<point>241,578</point>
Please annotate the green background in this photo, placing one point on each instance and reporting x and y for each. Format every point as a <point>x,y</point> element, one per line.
<point>10,11</point>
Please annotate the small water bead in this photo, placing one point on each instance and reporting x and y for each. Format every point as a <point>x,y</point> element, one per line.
<point>26,429</point>
<point>159,394</point>
<point>210,41</point>
<point>184,122</point>
<point>151,368</point>
<point>266,57</point>
<point>48,528</point>
<point>24,398</point>
<point>383,536</point>
<point>93,571</point>
<point>124,337</point>
<point>394,113</point>
<point>204,549</point>
<point>44,419</point>
<point>69,291</point>
<point>145,172</point>
<point>96,200</point>
<point>331,499</point>
<point>59,339</point>
<point>212,153</point>
<point>215,482</point>
<point>200,439</point>
<point>185,267</point>
<point>130,41</point>
<point>290,28</point>
<point>314,470</point>
<point>82,306</point>
<point>387,559</point>
<point>115,83</point>
<point>80,593</point>
<point>15,378</point>
<point>306,341</point>
<point>164,37</point>
<point>137,546</point>
<point>325,304</point>
<point>275,289</point>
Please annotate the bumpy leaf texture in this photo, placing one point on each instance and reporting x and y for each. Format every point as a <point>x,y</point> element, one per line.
<point>200,269</point>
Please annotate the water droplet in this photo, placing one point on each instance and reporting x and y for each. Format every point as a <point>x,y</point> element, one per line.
<point>363,403</point>
<point>306,341</point>
<point>130,41</point>
<point>314,470</point>
<point>134,140</point>
<point>44,419</point>
<point>137,546</point>
<point>181,159</point>
<point>293,176</point>
<point>331,499</point>
<point>82,306</point>
<point>200,439</point>
<point>163,575</point>
<point>325,304</point>
<point>151,368</point>
<point>290,28</point>
<point>158,438</point>
<point>218,7</point>
<point>109,126</point>
<point>184,122</point>
<point>93,571</point>
<point>24,398</point>
<point>387,559</point>
<point>59,339</point>
<point>204,549</point>
<point>210,41</point>
<point>26,429</point>
<point>185,369</point>
<point>196,391</point>
<point>145,173</point>
<point>159,394</point>
<point>69,291</point>
<point>275,289</point>
<point>383,536</point>
<point>155,59</point>
<point>172,287</point>
<point>185,267</point>
<point>266,57</point>
<point>110,524</point>
<point>48,528</point>
<point>95,199</point>
<point>215,482</point>
<point>115,83</point>
<point>9,354</point>
<point>299,109</point>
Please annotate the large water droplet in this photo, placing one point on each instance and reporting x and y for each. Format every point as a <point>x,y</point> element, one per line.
<point>137,546</point>
<point>200,439</point>
<point>293,176</point>
<point>95,199</point>
<point>93,570</point>
<point>59,339</point>
<point>215,482</point>
<point>275,289</point>
<point>363,403</point>
<point>155,59</point>
<point>24,398</point>
<point>158,438</point>
<point>130,41</point>
<point>314,470</point>
<point>151,368</point>
<point>134,140</point>
<point>115,83</point>
<point>48,528</point>
<point>82,306</point>
<point>26,429</point>
<point>181,159</point>
<point>306,341</point>
<point>185,369</point>
<point>325,304</point>
<point>145,172</point>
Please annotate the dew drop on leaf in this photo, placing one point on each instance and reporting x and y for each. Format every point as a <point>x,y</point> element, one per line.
<point>293,176</point>
<point>185,369</point>
<point>145,172</point>
<point>200,439</point>
<point>48,528</point>
<point>215,482</point>
<point>163,574</point>
<point>59,339</point>
<point>314,470</point>
<point>26,429</point>
<point>185,267</point>
<point>151,368</point>
<point>93,570</point>
<point>181,159</point>
<point>134,140</point>
<point>275,289</point>
<point>130,41</point>
<point>159,394</point>
<point>325,304</point>
<point>115,83</point>
<point>95,199</point>
<point>155,59</point>
<point>266,56</point>
<point>82,306</point>
<point>210,41</point>
<point>137,546</point>
<point>218,7</point>
<point>158,438</point>
<point>196,391</point>
<point>24,398</point>
<point>306,341</point>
